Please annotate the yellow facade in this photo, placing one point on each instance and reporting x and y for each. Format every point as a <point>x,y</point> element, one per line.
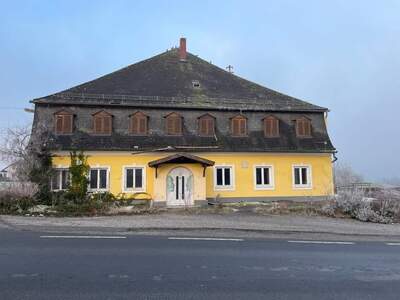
<point>243,166</point>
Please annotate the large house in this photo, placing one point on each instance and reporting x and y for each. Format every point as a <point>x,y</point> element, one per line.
<point>185,131</point>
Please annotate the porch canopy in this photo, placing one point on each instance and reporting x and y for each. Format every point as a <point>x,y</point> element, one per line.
<point>182,158</point>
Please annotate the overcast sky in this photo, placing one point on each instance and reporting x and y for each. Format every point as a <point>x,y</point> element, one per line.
<point>344,55</point>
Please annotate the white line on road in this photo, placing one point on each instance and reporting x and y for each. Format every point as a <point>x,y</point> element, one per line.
<point>393,244</point>
<point>204,239</point>
<point>81,237</point>
<point>322,242</point>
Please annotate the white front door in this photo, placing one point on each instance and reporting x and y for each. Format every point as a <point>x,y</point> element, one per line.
<point>180,187</point>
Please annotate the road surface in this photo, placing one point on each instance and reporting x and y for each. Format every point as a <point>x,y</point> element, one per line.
<point>36,265</point>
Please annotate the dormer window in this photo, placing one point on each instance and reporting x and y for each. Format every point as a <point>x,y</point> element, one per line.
<point>271,126</point>
<point>303,127</point>
<point>239,126</point>
<point>206,125</point>
<point>138,124</point>
<point>102,123</point>
<point>196,84</point>
<point>173,124</point>
<point>63,122</point>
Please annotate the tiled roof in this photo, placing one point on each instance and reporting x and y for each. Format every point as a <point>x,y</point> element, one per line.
<point>165,81</point>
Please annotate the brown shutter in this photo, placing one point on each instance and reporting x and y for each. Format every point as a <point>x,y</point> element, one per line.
<point>170,125</point>
<point>307,128</point>
<point>242,126</point>
<point>235,127</point>
<point>134,125</point>
<point>211,127</point>
<point>142,120</point>
<point>59,124</point>
<point>202,126</point>
<point>67,124</point>
<point>97,124</point>
<point>107,128</point>
<point>178,125</point>
<point>303,127</point>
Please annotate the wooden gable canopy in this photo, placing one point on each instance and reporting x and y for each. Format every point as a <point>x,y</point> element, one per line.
<point>181,158</point>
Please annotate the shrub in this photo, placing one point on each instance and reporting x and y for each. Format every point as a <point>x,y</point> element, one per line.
<point>378,207</point>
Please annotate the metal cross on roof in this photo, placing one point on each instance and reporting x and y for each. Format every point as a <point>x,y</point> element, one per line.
<point>230,69</point>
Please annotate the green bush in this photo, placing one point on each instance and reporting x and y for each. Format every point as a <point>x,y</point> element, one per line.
<point>66,203</point>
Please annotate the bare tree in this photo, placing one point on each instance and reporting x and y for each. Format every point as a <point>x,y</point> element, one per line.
<point>345,175</point>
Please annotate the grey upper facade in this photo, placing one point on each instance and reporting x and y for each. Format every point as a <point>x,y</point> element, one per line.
<point>187,85</point>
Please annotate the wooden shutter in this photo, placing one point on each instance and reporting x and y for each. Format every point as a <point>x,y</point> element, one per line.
<point>178,125</point>
<point>242,123</point>
<point>174,125</point>
<point>107,126</point>
<point>67,123</point>
<point>134,125</point>
<point>63,123</point>
<point>59,124</point>
<point>303,127</point>
<point>142,120</point>
<point>271,127</point>
<point>239,126</point>
<point>206,126</point>
<point>97,120</point>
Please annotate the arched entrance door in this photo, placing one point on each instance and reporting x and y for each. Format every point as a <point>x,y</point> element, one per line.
<point>180,187</point>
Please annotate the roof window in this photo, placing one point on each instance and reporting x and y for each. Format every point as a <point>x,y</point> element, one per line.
<point>196,84</point>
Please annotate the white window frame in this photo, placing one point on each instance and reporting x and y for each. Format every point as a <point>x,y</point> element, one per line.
<point>144,179</point>
<point>230,187</point>
<point>107,168</point>
<point>271,185</point>
<point>59,169</point>
<point>309,177</point>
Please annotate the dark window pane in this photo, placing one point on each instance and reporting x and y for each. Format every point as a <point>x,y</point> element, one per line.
<point>296,176</point>
<point>138,178</point>
<point>219,176</point>
<point>64,179</point>
<point>55,180</point>
<point>266,176</point>
<point>227,176</point>
<point>93,179</point>
<point>183,187</point>
<point>103,179</point>
<point>258,176</point>
<point>304,175</point>
<point>129,178</point>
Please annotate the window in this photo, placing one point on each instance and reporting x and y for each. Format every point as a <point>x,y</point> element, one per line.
<point>196,84</point>
<point>98,179</point>
<point>138,124</point>
<point>60,179</point>
<point>63,122</point>
<point>173,124</point>
<point>102,123</point>
<point>223,178</point>
<point>302,176</point>
<point>206,125</point>
<point>263,177</point>
<point>303,127</point>
<point>271,127</point>
<point>134,179</point>
<point>239,126</point>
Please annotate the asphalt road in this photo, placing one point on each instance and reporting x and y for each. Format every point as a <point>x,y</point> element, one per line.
<point>33,266</point>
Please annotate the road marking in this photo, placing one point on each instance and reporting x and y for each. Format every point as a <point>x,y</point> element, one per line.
<point>204,239</point>
<point>393,244</point>
<point>322,242</point>
<point>81,237</point>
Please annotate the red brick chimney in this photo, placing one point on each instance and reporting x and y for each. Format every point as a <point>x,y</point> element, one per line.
<point>182,49</point>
